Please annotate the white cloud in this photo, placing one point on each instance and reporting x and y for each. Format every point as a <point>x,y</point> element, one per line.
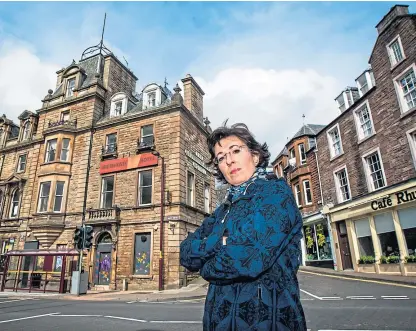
<point>24,79</point>
<point>270,102</point>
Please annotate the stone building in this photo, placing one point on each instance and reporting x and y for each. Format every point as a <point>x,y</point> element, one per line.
<point>367,157</point>
<point>297,164</point>
<point>93,154</point>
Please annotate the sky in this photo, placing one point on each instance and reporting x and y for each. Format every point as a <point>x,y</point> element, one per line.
<point>261,63</point>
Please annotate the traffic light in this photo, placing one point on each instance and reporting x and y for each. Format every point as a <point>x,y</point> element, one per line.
<point>88,237</point>
<point>78,237</point>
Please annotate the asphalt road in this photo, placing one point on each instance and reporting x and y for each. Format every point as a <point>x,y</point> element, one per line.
<point>330,304</point>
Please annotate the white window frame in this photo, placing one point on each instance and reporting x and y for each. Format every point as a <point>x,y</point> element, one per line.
<point>338,184</point>
<point>149,135</point>
<point>56,195</point>
<point>139,188</point>
<point>297,194</point>
<point>358,126</point>
<point>102,191</point>
<point>26,131</point>
<point>411,137</point>
<point>70,91</point>
<point>302,161</point>
<point>369,82</point>
<point>118,97</point>
<point>40,197</point>
<point>47,152</point>
<point>190,200</point>
<point>19,164</point>
<point>331,144</point>
<point>399,92</point>
<point>12,204</point>
<point>305,191</point>
<point>149,99</point>
<point>390,52</point>
<point>107,144</point>
<point>65,149</point>
<point>370,183</point>
<point>207,198</point>
<point>342,104</point>
<point>65,114</point>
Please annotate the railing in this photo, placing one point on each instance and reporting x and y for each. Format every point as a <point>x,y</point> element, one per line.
<point>103,214</point>
<point>145,144</point>
<point>67,123</point>
<point>109,150</point>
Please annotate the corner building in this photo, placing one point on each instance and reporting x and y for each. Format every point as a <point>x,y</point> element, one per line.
<point>93,154</point>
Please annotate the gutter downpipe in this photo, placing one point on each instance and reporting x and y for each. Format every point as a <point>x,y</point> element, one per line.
<point>327,217</point>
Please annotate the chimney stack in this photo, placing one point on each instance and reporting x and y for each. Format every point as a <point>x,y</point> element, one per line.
<point>193,97</point>
<point>397,10</point>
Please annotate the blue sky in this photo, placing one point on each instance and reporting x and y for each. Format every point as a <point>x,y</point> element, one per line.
<point>263,63</point>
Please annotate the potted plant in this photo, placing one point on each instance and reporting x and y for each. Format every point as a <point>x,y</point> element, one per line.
<point>410,259</point>
<point>366,259</point>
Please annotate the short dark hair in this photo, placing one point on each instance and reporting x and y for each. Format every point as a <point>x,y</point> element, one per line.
<point>241,131</point>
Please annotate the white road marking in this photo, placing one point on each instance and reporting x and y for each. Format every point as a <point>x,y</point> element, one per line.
<point>131,301</point>
<point>306,299</point>
<point>361,297</point>
<point>312,295</point>
<point>76,315</point>
<point>127,319</point>
<point>26,318</point>
<point>331,298</point>
<point>171,322</point>
<point>394,296</point>
<point>12,300</point>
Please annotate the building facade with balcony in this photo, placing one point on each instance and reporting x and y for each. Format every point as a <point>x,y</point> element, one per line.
<point>367,157</point>
<point>297,164</point>
<point>93,154</point>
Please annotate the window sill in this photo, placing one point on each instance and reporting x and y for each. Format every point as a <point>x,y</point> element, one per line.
<point>20,172</point>
<point>366,138</point>
<point>56,161</point>
<point>141,276</point>
<point>408,112</point>
<point>335,157</point>
<point>394,66</point>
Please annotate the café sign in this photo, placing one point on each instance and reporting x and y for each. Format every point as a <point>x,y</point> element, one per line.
<point>401,197</point>
<point>128,163</point>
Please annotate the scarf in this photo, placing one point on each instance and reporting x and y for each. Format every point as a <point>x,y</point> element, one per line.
<point>234,192</point>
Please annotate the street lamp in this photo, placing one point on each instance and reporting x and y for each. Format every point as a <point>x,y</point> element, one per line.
<point>162,205</point>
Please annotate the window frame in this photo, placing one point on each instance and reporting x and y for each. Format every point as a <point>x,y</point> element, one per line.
<point>102,192</point>
<point>26,131</point>
<point>330,142</point>
<point>207,199</point>
<point>370,183</point>
<point>192,204</point>
<point>145,136</point>
<point>12,201</point>
<point>43,197</point>
<point>139,187</point>
<point>390,52</point>
<point>65,149</point>
<point>305,192</point>
<point>68,80</point>
<point>65,113</point>
<point>55,195</point>
<point>18,170</point>
<point>399,91</point>
<point>46,159</point>
<point>357,121</point>
<point>411,137</point>
<point>338,184</point>
<point>302,161</point>
<point>297,194</point>
<point>114,148</point>
<point>116,98</point>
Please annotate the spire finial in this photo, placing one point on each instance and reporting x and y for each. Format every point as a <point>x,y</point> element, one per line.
<point>102,34</point>
<point>166,82</point>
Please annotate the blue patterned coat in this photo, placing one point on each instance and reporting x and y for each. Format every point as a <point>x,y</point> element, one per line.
<point>252,276</point>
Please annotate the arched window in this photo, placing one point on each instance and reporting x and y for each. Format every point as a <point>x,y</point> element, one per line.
<point>14,206</point>
<point>26,131</point>
<point>118,104</point>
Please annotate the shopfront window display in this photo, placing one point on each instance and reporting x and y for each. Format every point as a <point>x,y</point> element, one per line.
<point>318,245</point>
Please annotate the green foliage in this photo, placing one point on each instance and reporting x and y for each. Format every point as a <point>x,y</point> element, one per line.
<point>366,259</point>
<point>410,259</point>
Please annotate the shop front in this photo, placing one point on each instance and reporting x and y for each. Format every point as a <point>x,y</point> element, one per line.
<point>317,242</point>
<point>377,233</point>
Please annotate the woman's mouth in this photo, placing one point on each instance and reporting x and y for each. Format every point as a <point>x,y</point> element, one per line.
<point>234,171</point>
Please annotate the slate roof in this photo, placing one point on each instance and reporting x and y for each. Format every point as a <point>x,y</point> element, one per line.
<point>308,130</point>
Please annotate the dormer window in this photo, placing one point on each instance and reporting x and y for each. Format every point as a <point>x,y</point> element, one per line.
<point>65,116</point>
<point>365,82</point>
<point>395,51</point>
<point>118,104</point>
<point>70,86</point>
<point>152,99</point>
<point>347,98</point>
<point>26,131</point>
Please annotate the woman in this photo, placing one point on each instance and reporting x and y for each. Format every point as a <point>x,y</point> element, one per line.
<point>249,248</point>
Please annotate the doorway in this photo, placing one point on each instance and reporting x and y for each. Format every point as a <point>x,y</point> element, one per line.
<point>344,246</point>
<point>103,261</point>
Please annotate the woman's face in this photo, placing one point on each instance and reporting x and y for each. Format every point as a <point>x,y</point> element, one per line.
<point>235,160</point>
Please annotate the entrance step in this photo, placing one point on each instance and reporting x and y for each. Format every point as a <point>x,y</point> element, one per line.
<point>100,288</point>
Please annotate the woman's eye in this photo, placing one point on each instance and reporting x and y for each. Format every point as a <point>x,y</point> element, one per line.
<point>236,151</point>
<point>220,159</point>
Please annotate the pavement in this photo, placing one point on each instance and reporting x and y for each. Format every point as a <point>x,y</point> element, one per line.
<point>197,289</point>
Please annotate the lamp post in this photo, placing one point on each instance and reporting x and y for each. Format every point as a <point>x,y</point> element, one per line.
<point>162,207</point>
